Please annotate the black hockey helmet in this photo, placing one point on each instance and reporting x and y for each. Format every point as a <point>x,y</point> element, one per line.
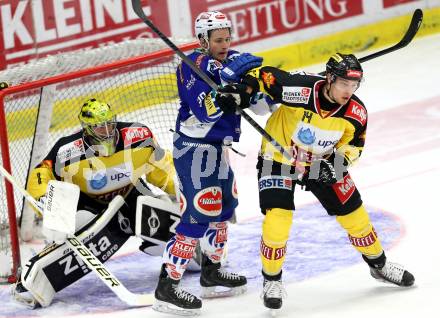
<point>344,65</point>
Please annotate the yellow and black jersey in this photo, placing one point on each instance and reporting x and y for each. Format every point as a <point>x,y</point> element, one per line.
<point>102,178</point>
<point>305,123</point>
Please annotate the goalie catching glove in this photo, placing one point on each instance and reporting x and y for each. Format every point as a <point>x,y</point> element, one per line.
<point>231,96</point>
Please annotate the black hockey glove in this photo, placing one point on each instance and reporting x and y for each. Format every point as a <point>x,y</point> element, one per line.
<point>326,172</point>
<point>231,96</point>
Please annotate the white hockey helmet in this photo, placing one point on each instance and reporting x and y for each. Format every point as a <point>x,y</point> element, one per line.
<point>210,20</point>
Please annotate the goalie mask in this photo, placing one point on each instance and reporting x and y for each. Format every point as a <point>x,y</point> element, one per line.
<point>99,126</point>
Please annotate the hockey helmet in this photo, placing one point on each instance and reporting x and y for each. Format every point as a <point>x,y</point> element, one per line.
<point>99,125</point>
<point>211,20</point>
<point>344,65</point>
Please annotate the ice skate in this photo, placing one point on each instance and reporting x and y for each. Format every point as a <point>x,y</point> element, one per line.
<point>171,299</point>
<point>273,293</point>
<point>21,295</point>
<point>393,273</point>
<point>217,282</point>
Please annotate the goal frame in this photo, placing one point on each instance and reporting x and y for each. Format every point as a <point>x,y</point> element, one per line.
<point>4,141</point>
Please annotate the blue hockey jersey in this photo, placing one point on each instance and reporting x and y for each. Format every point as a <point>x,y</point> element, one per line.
<point>199,116</point>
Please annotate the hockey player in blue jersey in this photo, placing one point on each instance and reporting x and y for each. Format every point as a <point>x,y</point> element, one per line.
<point>207,124</point>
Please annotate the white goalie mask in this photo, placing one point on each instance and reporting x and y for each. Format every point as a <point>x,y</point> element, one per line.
<point>211,20</point>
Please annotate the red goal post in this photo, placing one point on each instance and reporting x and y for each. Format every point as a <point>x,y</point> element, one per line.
<point>41,104</point>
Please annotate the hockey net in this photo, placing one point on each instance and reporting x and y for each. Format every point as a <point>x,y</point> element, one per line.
<point>42,102</point>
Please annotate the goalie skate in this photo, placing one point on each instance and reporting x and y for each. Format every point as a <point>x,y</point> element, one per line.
<point>21,295</point>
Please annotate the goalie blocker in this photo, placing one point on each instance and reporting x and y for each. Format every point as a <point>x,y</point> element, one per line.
<point>57,267</point>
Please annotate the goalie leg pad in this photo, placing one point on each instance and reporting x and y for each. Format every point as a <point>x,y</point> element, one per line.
<point>361,232</point>
<point>57,267</point>
<point>276,227</point>
<point>156,222</point>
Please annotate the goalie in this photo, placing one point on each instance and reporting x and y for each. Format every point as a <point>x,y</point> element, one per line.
<point>108,161</point>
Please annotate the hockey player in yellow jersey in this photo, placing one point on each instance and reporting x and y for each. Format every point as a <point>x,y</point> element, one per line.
<point>323,125</point>
<point>107,159</point>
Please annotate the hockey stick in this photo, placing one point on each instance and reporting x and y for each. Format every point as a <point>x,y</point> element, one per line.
<point>137,7</point>
<point>93,263</point>
<point>413,28</point>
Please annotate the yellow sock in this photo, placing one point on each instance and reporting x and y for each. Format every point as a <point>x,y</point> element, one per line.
<point>276,227</point>
<point>361,232</point>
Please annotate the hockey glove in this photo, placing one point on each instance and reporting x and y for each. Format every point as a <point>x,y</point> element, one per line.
<point>231,96</point>
<point>326,172</point>
<point>239,66</point>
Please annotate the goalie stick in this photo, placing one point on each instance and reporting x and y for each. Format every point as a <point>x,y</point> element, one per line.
<point>94,264</point>
<point>407,38</point>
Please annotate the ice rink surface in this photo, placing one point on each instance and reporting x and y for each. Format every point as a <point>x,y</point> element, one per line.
<point>398,176</point>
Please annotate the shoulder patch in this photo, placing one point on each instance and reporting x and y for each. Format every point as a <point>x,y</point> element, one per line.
<point>71,150</point>
<point>357,112</point>
<point>132,135</point>
<point>213,66</point>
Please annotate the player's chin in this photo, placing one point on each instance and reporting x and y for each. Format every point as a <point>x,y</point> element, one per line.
<point>221,56</point>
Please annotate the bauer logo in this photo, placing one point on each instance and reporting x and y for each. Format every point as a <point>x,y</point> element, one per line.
<point>345,189</point>
<point>71,150</point>
<point>357,112</point>
<point>274,182</point>
<point>296,94</point>
<point>209,201</point>
<point>133,135</point>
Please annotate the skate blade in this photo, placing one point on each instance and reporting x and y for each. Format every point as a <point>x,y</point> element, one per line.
<point>274,312</point>
<point>216,292</point>
<point>168,308</point>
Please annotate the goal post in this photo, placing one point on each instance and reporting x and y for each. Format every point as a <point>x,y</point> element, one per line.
<point>42,102</point>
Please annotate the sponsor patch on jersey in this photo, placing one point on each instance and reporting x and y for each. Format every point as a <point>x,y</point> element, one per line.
<point>209,106</point>
<point>296,94</point>
<point>268,78</point>
<point>213,66</point>
<point>311,138</point>
<point>357,112</point>
<point>71,150</point>
<point>132,135</point>
<point>306,136</point>
<point>345,189</point>
<point>107,180</point>
<point>274,182</point>
<point>209,201</point>
<point>190,83</point>
<point>98,181</point>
